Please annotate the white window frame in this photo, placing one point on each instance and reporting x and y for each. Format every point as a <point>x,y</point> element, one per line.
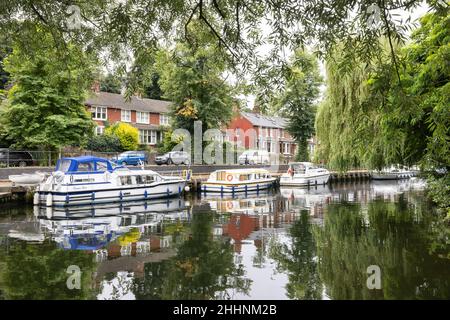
<point>286,148</point>
<point>140,117</point>
<point>147,136</point>
<point>98,111</point>
<point>164,119</point>
<point>99,130</point>
<point>125,115</point>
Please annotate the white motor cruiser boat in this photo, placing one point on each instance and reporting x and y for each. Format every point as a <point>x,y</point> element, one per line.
<point>91,180</point>
<point>304,174</point>
<point>393,173</point>
<point>238,180</point>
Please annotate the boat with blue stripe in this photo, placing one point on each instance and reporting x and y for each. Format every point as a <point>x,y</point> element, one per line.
<point>238,181</point>
<point>92,180</point>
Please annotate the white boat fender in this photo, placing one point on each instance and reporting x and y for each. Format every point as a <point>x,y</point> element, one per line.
<point>186,188</point>
<point>49,200</point>
<point>49,212</point>
<point>36,198</point>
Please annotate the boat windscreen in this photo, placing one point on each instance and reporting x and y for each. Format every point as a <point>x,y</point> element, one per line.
<point>63,165</point>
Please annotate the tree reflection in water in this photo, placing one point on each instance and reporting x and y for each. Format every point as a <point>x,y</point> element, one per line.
<point>39,271</point>
<point>391,235</point>
<point>203,268</point>
<point>298,260</point>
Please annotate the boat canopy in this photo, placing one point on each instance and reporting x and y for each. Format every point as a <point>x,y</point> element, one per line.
<point>84,164</point>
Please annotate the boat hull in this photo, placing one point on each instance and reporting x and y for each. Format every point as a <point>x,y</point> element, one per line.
<point>392,176</point>
<point>298,181</point>
<point>113,195</point>
<point>237,187</point>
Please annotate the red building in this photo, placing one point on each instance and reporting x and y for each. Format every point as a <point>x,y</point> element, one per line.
<point>257,131</point>
<point>149,116</point>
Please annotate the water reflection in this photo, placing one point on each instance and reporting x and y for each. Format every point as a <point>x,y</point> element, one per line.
<point>292,244</point>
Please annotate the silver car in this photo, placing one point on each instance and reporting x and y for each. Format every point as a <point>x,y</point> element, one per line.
<point>174,157</point>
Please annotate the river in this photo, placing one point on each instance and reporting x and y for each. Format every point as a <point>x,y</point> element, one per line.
<point>372,240</point>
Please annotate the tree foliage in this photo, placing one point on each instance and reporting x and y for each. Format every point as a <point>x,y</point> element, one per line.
<point>104,143</point>
<point>110,83</point>
<point>377,115</point>
<point>45,106</point>
<point>191,77</point>
<point>297,101</point>
<point>127,135</point>
<point>236,26</point>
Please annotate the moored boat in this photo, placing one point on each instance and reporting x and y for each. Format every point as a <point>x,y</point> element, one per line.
<point>304,174</point>
<point>92,180</point>
<point>27,179</point>
<point>393,173</point>
<point>238,180</point>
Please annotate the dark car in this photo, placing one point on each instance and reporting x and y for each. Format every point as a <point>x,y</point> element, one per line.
<point>16,158</point>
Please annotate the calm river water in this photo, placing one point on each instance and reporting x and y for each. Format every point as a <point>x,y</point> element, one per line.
<point>284,244</point>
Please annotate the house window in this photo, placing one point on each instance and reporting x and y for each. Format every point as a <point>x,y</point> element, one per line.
<point>163,119</point>
<point>99,113</point>
<point>142,117</point>
<point>99,130</point>
<point>286,148</point>
<point>147,136</point>
<point>126,115</point>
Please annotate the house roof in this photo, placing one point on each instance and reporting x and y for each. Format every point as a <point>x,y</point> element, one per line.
<point>115,100</point>
<point>260,120</point>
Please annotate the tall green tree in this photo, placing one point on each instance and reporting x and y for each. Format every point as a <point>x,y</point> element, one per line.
<point>191,77</point>
<point>297,102</point>
<point>45,107</point>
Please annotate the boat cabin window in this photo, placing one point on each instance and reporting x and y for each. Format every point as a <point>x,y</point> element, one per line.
<point>145,179</point>
<point>86,166</point>
<point>102,166</point>
<point>244,177</point>
<point>64,165</point>
<point>221,176</point>
<point>126,180</point>
<point>299,168</point>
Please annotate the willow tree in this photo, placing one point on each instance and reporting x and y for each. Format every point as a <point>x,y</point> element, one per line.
<point>344,128</point>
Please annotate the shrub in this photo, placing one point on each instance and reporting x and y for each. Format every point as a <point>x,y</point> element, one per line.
<point>127,135</point>
<point>104,143</point>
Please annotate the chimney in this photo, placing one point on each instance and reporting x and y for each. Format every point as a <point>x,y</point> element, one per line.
<point>96,86</point>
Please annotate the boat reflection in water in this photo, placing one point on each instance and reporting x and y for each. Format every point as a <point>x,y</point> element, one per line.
<point>93,227</point>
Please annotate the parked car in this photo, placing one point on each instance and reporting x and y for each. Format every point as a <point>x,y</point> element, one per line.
<point>254,157</point>
<point>174,157</point>
<point>131,158</point>
<point>16,158</point>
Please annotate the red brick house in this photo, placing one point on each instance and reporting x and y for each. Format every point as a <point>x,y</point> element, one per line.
<point>149,116</point>
<point>270,133</point>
